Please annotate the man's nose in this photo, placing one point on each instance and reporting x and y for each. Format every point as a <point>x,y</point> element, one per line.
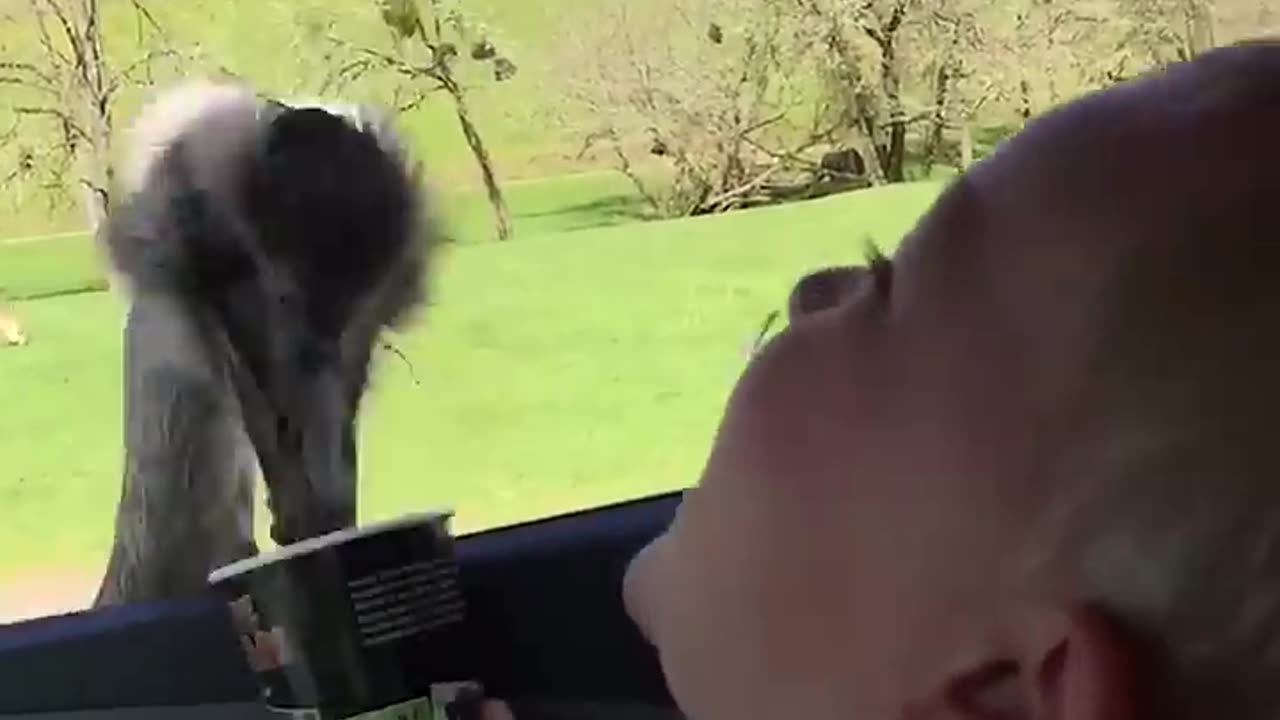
<point>823,290</point>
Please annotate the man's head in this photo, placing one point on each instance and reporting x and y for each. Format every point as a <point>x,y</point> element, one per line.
<point>1027,470</point>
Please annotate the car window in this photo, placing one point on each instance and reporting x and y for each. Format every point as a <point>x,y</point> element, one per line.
<point>624,195</point>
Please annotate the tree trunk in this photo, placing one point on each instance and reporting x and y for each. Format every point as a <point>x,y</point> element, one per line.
<point>876,152</point>
<point>1200,27</point>
<point>502,216</point>
<point>1024,100</point>
<point>866,144</point>
<point>95,178</point>
<point>896,165</point>
<point>941,91</point>
<point>896,153</point>
<point>94,204</point>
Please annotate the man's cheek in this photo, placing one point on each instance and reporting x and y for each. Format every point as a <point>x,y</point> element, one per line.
<point>650,579</point>
<point>664,593</point>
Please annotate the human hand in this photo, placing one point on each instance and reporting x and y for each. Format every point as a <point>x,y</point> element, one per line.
<point>495,710</point>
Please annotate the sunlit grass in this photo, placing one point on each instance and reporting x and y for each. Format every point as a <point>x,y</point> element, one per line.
<point>567,369</point>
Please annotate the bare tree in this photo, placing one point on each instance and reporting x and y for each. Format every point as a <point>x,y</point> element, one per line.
<point>859,72</point>
<point>62,92</point>
<point>420,55</point>
<point>955,64</point>
<point>872,54</point>
<point>706,105</point>
<point>1164,31</point>
<point>1003,64</point>
<point>707,85</point>
<point>883,23</point>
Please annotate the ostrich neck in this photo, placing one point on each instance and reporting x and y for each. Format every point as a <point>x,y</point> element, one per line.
<point>187,501</point>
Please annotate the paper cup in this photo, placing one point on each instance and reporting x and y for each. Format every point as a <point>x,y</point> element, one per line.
<point>361,623</point>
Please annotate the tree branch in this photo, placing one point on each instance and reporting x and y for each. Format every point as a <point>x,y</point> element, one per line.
<point>68,122</point>
<point>72,37</point>
<point>387,61</point>
<point>625,167</point>
<point>336,79</point>
<point>146,62</point>
<point>899,14</point>
<point>721,200</point>
<point>28,75</point>
<point>51,52</point>
<point>143,14</point>
<point>404,106</point>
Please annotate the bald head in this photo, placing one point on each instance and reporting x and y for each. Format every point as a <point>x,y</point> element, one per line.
<point>1123,252</point>
<point>1125,243</point>
<point>1027,471</point>
<point>1150,176</point>
<point>1163,481</point>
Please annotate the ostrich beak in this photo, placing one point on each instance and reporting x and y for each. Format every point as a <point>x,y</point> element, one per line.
<point>303,426</point>
<point>318,440</point>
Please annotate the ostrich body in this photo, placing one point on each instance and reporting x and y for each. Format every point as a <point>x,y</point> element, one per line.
<point>264,248</point>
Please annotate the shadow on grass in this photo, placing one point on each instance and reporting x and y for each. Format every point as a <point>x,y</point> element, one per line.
<point>600,212</point>
<point>95,286</point>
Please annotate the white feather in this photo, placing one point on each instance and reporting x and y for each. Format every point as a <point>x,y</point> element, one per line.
<point>169,114</point>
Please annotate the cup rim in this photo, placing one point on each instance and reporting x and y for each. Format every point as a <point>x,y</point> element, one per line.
<point>320,542</point>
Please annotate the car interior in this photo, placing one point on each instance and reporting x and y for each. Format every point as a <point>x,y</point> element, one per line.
<point>915,94</point>
<point>555,654</point>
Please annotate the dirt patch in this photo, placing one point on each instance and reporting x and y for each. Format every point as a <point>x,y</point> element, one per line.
<point>39,594</point>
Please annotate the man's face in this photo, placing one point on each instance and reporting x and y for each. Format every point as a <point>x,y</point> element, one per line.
<point>868,486</point>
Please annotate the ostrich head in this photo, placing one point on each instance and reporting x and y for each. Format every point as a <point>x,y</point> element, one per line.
<point>292,236</point>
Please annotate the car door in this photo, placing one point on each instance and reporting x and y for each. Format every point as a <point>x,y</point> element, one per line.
<point>547,631</point>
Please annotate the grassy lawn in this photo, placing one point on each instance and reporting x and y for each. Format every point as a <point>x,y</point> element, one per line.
<point>570,368</point>
<point>585,362</point>
<point>42,265</point>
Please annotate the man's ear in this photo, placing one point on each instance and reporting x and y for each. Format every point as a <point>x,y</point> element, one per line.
<point>1056,665</point>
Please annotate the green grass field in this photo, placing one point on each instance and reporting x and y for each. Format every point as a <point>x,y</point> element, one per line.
<point>585,362</point>
<point>567,369</point>
<point>59,263</point>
